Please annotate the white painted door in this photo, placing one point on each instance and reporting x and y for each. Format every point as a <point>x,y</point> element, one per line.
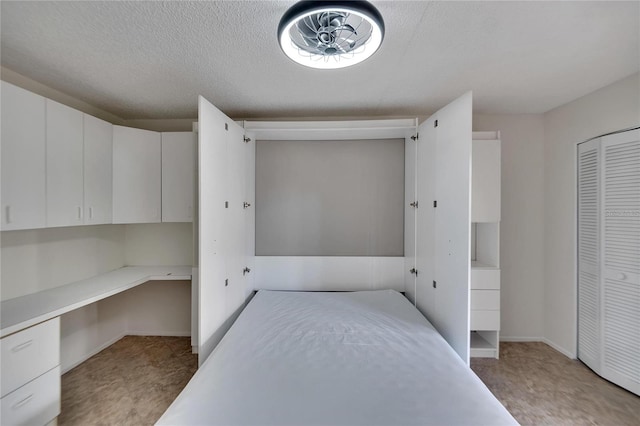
<point>213,129</point>
<point>410,213</point>
<point>23,159</point>
<point>620,293</point>
<point>178,176</point>
<point>98,169</point>
<point>136,175</point>
<point>65,180</point>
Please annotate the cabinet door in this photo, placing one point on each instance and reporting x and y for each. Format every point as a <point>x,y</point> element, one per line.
<point>485,181</point>
<point>213,132</point>
<point>98,153</point>
<point>178,175</point>
<point>235,218</point>
<point>136,175</point>
<point>23,159</point>
<point>64,165</point>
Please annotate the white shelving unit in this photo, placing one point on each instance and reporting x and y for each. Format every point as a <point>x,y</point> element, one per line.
<point>485,245</point>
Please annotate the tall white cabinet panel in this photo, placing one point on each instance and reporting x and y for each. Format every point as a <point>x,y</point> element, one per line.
<point>425,217</point>
<point>235,218</point>
<point>443,239</point>
<point>485,250</point>
<point>225,162</point>
<point>178,176</point>
<point>609,257</point>
<point>64,165</point>
<point>98,157</point>
<point>250,213</point>
<point>213,127</point>
<point>410,198</point>
<point>23,159</point>
<point>137,175</point>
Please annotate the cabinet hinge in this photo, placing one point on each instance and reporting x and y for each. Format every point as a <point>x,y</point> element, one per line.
<point>246,139</point>
<point>245,271</point>
<point>414,204</point>
<point>435,123</point>
<point>435,203</point>
<point>246,205</point>
<point>414,271</point>
<point>415,137</point>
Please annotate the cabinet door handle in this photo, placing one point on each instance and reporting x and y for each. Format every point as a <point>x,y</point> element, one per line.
<point>8,214</point>
<point>22,402</point>
<point>90,212</point>
<point>22,346</point>
<point>79,213</point>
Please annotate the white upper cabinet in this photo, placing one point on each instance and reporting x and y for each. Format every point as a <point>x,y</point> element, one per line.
<point>64,165</point>
<point>23,159</point>
<point>137,175</point>
<point>178,176</point>
<point>485,191</point>
<point>98,152</point>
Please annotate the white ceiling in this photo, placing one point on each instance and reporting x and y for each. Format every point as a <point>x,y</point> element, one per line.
<point>152,59</point>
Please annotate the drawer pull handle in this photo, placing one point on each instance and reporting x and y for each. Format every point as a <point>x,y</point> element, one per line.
<point>22,346</point>
<point>23,402</point>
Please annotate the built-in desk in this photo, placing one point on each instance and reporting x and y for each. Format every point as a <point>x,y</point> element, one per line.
<point>30,344</point>
<point>25,311</point>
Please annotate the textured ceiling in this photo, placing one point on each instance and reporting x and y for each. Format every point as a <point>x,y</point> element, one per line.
<point>152,59</point>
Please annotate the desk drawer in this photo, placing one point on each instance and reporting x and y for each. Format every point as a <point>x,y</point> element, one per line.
<point>36,403</point>
<point>485,320</point>
<point>28,354</point>
<point>485,279</point>
<point>485,300</point>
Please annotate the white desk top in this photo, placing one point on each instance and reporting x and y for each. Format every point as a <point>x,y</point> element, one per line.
<point>25,311</point>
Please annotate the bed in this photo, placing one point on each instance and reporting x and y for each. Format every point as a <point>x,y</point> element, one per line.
<point>317,358</point>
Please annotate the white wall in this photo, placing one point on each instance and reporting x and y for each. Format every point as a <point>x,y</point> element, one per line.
<point>611,108</point>
<point>39,259</point>
<point>158,244</point>
<point>522,227</point>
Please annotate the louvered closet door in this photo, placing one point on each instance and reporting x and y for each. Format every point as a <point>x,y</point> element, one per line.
<point>589,345</point>
<point>621,266</point>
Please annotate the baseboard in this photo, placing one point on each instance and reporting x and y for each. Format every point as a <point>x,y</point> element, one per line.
<point>158,333</point>
<point>560,349</point>
<point>95,351</point>
<point>520,339</point>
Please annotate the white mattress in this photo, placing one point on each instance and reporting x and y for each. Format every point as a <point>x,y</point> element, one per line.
<point>361,358</point>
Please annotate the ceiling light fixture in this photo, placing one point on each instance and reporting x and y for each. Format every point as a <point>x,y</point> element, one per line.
<point>330,34</point>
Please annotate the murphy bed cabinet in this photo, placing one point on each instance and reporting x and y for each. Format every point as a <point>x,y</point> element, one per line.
<point>485,245</point>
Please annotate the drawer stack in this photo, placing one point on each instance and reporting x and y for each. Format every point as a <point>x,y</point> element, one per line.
<point>485,299</point>
<point>30,381</point>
